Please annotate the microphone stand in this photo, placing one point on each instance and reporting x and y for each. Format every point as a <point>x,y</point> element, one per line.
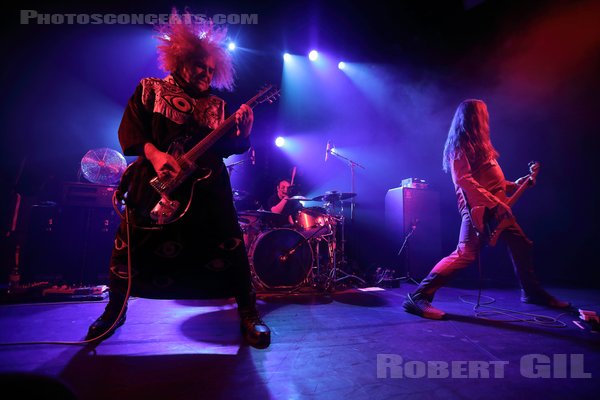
<point>406,243</point>
<point>352,164</point>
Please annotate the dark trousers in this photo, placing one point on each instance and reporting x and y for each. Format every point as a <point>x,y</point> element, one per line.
<point>181,264</point>
<point>520,249</point>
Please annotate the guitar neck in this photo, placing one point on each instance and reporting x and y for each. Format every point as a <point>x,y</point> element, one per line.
<point>513,199</point>
<point>201,147</point>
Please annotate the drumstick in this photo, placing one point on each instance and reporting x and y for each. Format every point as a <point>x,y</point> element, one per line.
<point>293,176</point>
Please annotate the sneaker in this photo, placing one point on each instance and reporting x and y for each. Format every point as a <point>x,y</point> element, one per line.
<point>254,329</point>
<point>104,323</point>
<point>417,305</point>
<point>544,299</point>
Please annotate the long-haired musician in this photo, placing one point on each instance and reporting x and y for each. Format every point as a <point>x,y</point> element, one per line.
<point>480,185</point>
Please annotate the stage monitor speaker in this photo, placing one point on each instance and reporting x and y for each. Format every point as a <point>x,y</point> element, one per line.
<point>417,210</point>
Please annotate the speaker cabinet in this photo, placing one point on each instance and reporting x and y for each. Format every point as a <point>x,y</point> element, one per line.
<point>69,245</point>
<point>413,218</point>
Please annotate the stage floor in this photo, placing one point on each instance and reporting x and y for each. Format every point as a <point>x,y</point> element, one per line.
<point>351,344</point>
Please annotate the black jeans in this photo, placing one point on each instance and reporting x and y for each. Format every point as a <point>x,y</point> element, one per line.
<point>520,249</point>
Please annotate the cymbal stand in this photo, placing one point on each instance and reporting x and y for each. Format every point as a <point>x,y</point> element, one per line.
<point>335,269</point>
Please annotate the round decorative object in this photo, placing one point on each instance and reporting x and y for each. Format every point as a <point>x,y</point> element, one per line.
<point>103,166</point>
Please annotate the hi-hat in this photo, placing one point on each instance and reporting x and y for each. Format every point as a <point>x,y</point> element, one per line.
<point>333,195</point>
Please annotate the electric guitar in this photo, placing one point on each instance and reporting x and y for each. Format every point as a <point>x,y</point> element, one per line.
<point>490,222</point>
<point>170,197</point>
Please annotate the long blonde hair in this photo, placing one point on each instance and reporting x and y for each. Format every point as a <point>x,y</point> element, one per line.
<point>469,135</point>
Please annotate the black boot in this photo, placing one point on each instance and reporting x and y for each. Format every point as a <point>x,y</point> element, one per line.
<point>254,329</point>
<point>532,291</point>
<point>105,322</point>
<point>543,298</point>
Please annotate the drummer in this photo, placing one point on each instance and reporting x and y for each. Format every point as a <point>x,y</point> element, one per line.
<point>281,203</point>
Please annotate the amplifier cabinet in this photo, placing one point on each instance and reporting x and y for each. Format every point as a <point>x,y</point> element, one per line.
<point>414,214</point>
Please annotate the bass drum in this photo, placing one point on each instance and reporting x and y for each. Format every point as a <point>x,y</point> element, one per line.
<point>280,259</point>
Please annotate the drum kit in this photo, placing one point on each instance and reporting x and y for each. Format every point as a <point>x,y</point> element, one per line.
<point>309,253</point>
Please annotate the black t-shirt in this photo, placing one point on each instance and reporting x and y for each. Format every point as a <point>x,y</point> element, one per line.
<point>291,208</point>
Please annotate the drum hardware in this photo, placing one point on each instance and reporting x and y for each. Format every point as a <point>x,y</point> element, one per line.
<point>333,276</point>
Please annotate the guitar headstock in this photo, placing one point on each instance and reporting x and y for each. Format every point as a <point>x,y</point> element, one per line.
<point>270,94</point>
<point>267,94</point>
<point>534,168</point>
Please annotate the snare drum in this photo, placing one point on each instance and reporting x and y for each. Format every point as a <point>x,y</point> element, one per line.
<point>280,259</point>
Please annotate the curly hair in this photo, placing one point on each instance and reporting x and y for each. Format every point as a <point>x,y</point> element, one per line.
<point>469,135</point>
<point>187,38</point>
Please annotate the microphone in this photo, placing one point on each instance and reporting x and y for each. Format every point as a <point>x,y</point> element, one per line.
<point>328,150</point>
<point>252,156</point>
<point>284,257</point>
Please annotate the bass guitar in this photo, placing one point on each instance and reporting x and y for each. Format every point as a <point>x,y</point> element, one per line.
<point>490,222</point>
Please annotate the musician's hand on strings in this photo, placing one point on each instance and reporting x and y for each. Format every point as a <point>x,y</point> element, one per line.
<point>244,118</point>
<point>163,163</point>
<point>527,180</point>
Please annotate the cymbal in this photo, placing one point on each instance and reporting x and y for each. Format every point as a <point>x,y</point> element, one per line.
<point>334,196</point>
<point>301,198</point>
<point>255,213</point>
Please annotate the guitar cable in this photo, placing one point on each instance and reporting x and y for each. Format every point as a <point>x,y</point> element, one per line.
<point>506,315</point>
